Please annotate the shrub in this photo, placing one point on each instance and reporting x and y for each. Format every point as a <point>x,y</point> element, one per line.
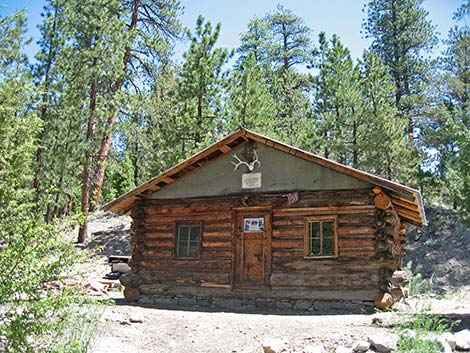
<point>35,306</point>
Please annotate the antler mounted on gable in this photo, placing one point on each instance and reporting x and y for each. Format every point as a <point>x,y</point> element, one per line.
<point>250,166</point>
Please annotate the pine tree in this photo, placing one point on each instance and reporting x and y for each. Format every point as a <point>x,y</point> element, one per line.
<point>250,103</point>
<point>337,104</point>
<point>18,126</point>
<point>291,43</point>
<point>384,150</point>
<point>447,125</point>
<point>280,43</point>
<point>200,88</point>
<point>401,33</point>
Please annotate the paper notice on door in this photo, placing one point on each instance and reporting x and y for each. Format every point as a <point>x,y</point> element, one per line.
<point>253,225</point>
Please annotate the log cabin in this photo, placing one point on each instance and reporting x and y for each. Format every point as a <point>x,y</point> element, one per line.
<point>250,220</point>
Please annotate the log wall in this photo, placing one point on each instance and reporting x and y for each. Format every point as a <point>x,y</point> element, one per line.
<point>359,272</point>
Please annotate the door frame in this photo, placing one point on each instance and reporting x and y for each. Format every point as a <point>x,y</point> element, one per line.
<point>237,213</point>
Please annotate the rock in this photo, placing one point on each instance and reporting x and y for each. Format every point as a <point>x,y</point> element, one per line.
<point>131,294</point>
<point>130,279</point>
<point>383,301</point>
<point>361,346</point>
<point>303,304</point>
<point>273,345</point>
<point>383,343</point>
<point>136,320</point>
<point>120,267</point>
<point>283,305</point>
<point>408,333</point>
<point>397,293</point>
<point>450,339</point>
<point>187,301</point>
<point>341,349</point>
<point>229,303</point>
<point>445,344</point>
<point>314,348</point>
<point>400,277</point>
<point>462,340</point>
<point>406,292</point>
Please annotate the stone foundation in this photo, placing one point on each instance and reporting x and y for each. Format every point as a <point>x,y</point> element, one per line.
<point>247,305</point>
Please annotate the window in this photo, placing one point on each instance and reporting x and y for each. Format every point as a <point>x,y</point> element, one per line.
<point>188,240</point>
<point>321,237</point>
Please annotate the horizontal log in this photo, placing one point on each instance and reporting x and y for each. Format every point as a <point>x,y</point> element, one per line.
<point>216,254</point>
<point>158,235</point>
<point>159,244</point>
<point>189,218</point>
<point>184,276</point>
<point>326,266</point>
<point>218,225</point>
<point>366,251</point>
<point>279,222</point>
<point>288,233</point>
<point>187,210</point>
<point>198,264</point>
<point>342,230</point>
<point>355,219</point>
<point>208,244</point>
<point>217,234</point>
<point>288,244</point>
<point>355,243</point>
<point>325,280</point>
<point>368,209</point>
<point>164,253</point>
<point>290,253</point>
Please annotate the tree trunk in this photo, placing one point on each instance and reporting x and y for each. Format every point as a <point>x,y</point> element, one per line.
<point>85,199</point>
<point>106,141</point>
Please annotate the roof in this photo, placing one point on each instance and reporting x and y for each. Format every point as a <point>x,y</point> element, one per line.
<point>407,201</point>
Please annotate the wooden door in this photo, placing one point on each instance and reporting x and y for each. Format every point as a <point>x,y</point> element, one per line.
<point>252,265</point>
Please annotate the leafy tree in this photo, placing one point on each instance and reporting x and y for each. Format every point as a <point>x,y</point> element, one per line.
<point>201,87</point>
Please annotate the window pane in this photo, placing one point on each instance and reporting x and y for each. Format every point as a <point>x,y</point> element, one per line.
<point>315,246</point>
<point>328,229</point>
<point>183,233</point>
<point>328,246</point>
<point>182,250</point>
<point>315,230</point>
<point>195,231</point>
<point>194,250</point>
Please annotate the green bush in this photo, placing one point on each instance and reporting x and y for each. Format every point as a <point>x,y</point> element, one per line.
<point>35,307</point>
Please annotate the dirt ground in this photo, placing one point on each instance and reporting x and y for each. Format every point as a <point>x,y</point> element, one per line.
<point>196,330</point>
<point>187,331</point>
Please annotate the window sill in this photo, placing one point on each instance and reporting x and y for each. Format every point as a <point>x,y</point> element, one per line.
<point>319,257</point>
<point>186,258</point>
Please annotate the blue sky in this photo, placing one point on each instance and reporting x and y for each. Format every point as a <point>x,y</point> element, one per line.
<point>343,17</point>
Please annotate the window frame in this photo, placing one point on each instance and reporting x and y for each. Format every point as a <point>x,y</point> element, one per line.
<point>309,220</point>
<point>189,224</point>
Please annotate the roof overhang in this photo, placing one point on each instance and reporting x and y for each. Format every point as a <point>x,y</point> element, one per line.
<point>407,201</point>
